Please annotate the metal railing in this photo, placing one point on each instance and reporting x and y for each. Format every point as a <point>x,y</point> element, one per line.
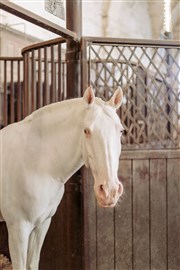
<point>44,74</point>
<point>149,74</point>
<point>11,90</point>
<point>32,81</point>
<point>147,71</point>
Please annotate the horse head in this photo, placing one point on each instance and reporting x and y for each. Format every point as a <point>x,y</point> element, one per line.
<point>102,132</point>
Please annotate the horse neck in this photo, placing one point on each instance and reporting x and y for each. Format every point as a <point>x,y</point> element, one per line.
<point>63,135</point>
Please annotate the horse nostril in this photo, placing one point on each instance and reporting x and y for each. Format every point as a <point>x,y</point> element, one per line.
<point>102,191</point>
<point>120,189</point>
<point>101,188</point>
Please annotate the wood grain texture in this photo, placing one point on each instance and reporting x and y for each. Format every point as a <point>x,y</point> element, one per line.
<point>54,248</point>
<point>158,217</point>
<point>173,213</point>
<point>123,220</point>
<point>90,220</point>
<point>105,238</point>
<point>62,248</point>
<point>141,214</point>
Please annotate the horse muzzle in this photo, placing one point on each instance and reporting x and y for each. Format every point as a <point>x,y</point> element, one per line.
<point>107,196</point>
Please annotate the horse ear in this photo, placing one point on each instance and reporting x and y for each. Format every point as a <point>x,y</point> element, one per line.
<point>89,96</point>
<point>116,99</point>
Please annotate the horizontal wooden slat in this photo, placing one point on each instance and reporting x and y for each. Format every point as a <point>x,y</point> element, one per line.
<point>130,42</point>
<point>146,154</point>
<point>6,58</point>
<point>43,44</point>
<point>37,20</point>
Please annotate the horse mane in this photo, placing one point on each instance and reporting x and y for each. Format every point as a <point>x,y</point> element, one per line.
<point>107,109</point>
<point>48,109</point>
<point>53,107</point>
<point>40,111</point>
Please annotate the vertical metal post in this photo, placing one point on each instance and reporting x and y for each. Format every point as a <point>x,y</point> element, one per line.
<point>73,23</point>
<point>169,36</point>
<point>84,66</point>
<point>73,187</point>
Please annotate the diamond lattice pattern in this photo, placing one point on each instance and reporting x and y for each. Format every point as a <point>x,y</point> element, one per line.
<point>150,79</point>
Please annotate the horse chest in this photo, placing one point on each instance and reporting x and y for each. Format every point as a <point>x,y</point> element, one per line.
<point>33,199</point>
<point>46,206</point>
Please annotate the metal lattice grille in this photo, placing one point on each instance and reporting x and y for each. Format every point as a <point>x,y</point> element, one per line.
<point>150,79</point>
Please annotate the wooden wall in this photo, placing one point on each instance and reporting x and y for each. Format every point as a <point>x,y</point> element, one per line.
<point>62,249</point>
<point>141,232</point>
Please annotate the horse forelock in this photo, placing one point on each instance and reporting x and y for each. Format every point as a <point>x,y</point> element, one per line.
<point>107,110</point>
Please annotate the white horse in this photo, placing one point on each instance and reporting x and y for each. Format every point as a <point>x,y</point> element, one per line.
<point>38,156</point>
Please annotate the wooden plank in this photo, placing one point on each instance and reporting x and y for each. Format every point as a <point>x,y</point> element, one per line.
<point>173,213</point>
<point>12,93</point>
<point>140,214</point>
<point>53,253</point>
<point>5,110</point>
<point>62,248</point>
<point>39,88</point>
<point>89,205</point>
<point>33,83</point>
<point>53,82</point>
<point>74,222</point>
<point>146,154</point>
<point>46,78</point>
<point>19,91</point>
<point>123,220</point>
<point>59,73</point>
<point>105,238</point>
<point>37,20</point>
<point>25,83</point>
<point>158,213</point>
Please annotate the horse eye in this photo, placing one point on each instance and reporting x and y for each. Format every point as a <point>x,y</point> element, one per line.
<point>87,131</point>
<point>122,131</point>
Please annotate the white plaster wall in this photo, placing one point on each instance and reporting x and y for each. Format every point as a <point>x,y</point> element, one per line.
<point>92,17</point>
<point>156,12</point>
<point>23,26</point>
<point>123,19</point>
<point>38,7</point>
<point>129,20</point>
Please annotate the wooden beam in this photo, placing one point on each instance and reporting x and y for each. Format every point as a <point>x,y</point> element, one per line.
<point>37,20</point>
